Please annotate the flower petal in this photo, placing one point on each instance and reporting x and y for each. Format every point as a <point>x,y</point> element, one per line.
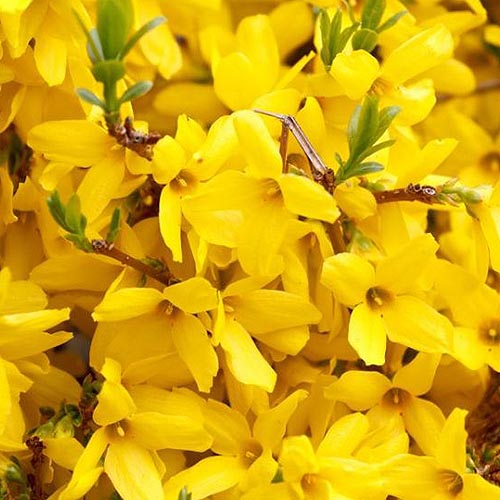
<point>452,442</point>
<point>193,295</point>
<point>170,221</point>
<point>417,376</point>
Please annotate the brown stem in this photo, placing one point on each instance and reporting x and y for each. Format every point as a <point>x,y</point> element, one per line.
<point>481,88</point>
<point>140,142</point>
<point>163,276</point>
<point>412,192</point>
<point>35,444</point>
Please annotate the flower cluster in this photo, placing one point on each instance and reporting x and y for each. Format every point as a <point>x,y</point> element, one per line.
<point>249,250</point>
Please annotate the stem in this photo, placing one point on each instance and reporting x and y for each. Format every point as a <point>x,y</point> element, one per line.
<point>35,444</point>
<point>163,276</point>
<point>112,107</point>
<point>412,192</point>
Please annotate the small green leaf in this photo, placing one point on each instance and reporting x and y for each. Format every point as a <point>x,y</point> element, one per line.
<point>367,125</point>
<point>108,72</point>
<point>114,226</point>
<point>278,477</point>
<point>88,96</point>
<point>94,47</point>
<point>391,21</point>
<point>334,36</point>
<point>114,22</point>
<point>385,118</point>
<point>73,213</point>
<point>353,126</point>
<point>346,35</point>
<point>365,39</point>
<point>324,26</point>
<point>366,168</point>
<point>184,494</point>
<point>139,34</point>
<point>373,10</point>
<point>136,90</point>
<point>57,209</point>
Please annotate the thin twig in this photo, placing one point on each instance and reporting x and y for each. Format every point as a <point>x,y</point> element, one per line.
<point>482,88</point>
<point>35,444</point>
<point>412,192</point>
<point>163,276</point>
<point>322,174</point>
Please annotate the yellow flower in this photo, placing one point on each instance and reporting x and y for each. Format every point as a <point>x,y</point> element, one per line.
<point>245,458</point>
<point>396,399</point>
<point>442,476</point>
<point>134,424</point>
<point>384,301</point>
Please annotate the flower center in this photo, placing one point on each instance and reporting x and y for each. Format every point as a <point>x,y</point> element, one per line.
<point>381,87</point>
<point>251,451</point>
<point>489,331</point>
<point>377,297</point>
<point>491,162</point>
<point>450,482</point>
<point>395,397</point>
<point>184,183</point>
<point>308,481</point>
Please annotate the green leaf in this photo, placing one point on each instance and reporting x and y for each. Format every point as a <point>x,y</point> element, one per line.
<point>366,168</point>
<point>346,35</point>
<point>372,150</point>
<point>73,214</point>
<point>138,89</point>
<point>392,21</point>
<point>114,22</point>
<point>108,72</point>
<point>139,34</point>
<point>94,49</point>
<point>88,96</point>
<point>324,26</point>
<point>373,10</point>
<point>365,39</point>
<point>367,125</point>
<point>334,36</point>
<point>385,118</point>
<point>184,494</point>
<point>57,209</point>
<point>114,226</point>
<point>352,127</point>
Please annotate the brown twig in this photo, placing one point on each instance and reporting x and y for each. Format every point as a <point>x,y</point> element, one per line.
<point>322,174</point>
<point>140,142</point>
<point>163,276</point>
<point>412,192</point>
<point>481,88</point>
<point>36,446</point>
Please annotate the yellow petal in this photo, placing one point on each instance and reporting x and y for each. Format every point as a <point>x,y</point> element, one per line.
<point>132,471</point>
<point>270,425</point>
<point>349,276</point>
<point>50,57</point>
<point>355,201</point>
<point>194,347</point>
<point>170,221</point>
<point>358,389</point>
<point>451,447</point>
<point>418,54</point>
<point>193,295</point>
<point>355,72</point>
<point>168,160</point>
<point>63,451</point>
<point>244,359</point>
<point>156,431</point>
<point>263,311</point>
<point>417,376</point>
<point>399,272</point>
<point>288,341</point>
<point>424,421</point>
<point>209,476</point>
<point>305,197</point>
<point>257,145</point>
<point>367,335</point>
<point>32,321</point>
<point>127,303</point>
<point>412,322</point>
<point>344,436</point>
<point>78,142</point>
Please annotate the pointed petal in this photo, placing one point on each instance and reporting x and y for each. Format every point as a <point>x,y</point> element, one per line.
<point>424,421</point>
<point>127,303</point>
<point>193,295</point>
<point>344,436</point>
<point>412,322</point>
<point>417,376</point>
<point>288,341</point>
<point>244,359</point>
<point>258,147</point>
<point>303,196</point>
<point>132,471</point>
<point>194,348</point>
<point>170,221</point>
<point>156,431</point>
<point>399,272</point>
<point>265,310</point>
<point>209,476</point>
<point>360,390</point>
<point>476,486</point>
<point>451,447</point>
<point>418,54</point>
<point>270,425</point>
<point>78,142</point>
<point>367,335</point>
<point>349,276</point>
<point>168,160</point>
